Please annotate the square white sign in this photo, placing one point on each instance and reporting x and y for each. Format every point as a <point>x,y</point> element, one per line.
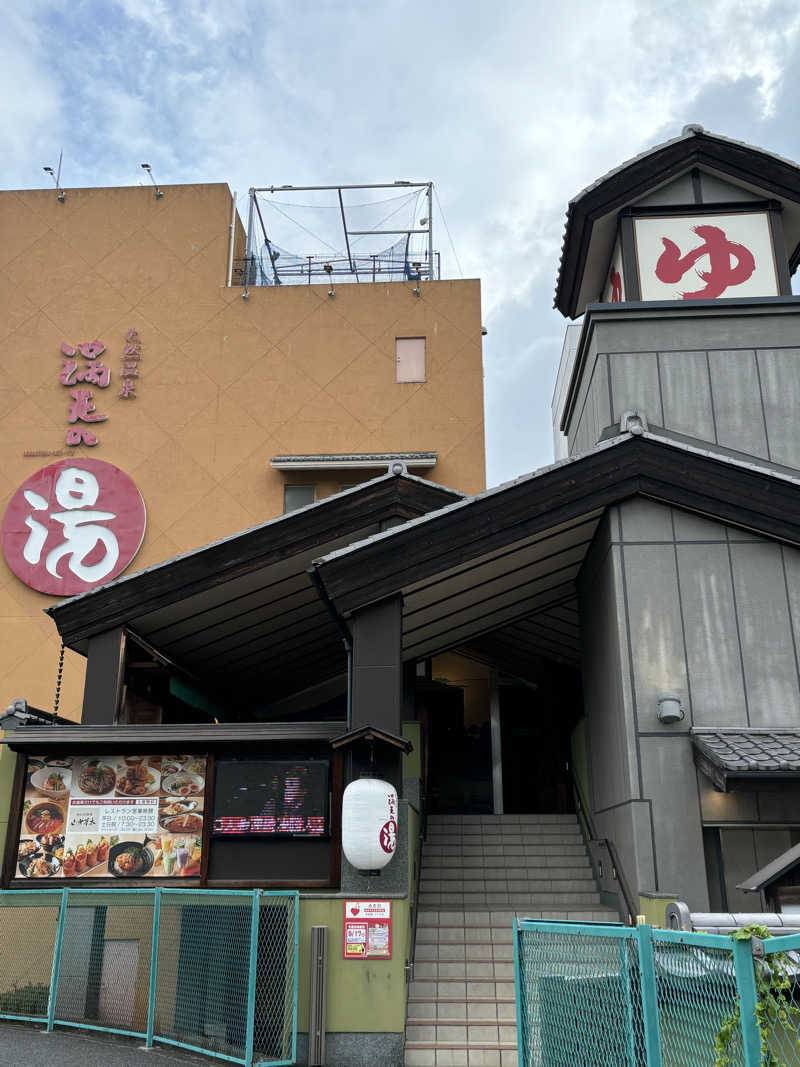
<point>705,257</point>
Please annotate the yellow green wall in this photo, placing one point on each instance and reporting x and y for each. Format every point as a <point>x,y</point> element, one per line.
<point>362,995</point>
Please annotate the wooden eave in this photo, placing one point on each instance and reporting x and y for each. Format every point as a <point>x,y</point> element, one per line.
<point>299,532</point>
<point>727,491</point>
<point>166,738</point>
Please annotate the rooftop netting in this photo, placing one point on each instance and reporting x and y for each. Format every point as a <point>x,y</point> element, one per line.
<point>379,242</point>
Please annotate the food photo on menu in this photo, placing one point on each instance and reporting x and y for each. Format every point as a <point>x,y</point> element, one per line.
<point>112,817</point>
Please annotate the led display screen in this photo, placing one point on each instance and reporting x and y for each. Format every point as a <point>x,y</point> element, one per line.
<point>271,798</point>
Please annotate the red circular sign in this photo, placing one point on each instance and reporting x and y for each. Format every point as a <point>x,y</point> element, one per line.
<point>73,526</point>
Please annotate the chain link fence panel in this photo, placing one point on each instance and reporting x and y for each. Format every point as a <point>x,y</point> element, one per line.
<point>696,995</point>
<point>28,929</point>
<point>579,1001</point>
<point>275,1008</point>
<point>594,995</point>
<point>208,970</point>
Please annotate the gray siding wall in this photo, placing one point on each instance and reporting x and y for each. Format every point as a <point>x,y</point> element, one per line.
<point>673,601</point>
<point>732,380</point>
<point>593,407</point>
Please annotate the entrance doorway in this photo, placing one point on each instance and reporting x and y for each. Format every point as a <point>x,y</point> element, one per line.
<point>498,744</point>
<point>535,744</point>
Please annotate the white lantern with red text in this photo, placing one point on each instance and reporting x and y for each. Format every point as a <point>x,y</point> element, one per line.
<point>369,823</point>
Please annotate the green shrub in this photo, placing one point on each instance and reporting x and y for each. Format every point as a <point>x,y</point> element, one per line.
<point>28,999</point>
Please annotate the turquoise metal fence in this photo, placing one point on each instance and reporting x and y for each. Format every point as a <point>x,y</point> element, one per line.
<point>213,971</point>
<point>602,995</point>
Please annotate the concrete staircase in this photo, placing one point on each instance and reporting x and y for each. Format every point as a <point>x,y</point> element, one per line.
<point>478,871</point>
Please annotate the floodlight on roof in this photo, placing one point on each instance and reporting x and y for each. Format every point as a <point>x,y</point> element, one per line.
<point>57,179</point>
<point>149,169</point>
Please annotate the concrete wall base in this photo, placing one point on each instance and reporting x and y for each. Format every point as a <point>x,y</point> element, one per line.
<point>357,1050</point>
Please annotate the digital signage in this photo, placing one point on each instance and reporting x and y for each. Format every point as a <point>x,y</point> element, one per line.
<point>286,798</point>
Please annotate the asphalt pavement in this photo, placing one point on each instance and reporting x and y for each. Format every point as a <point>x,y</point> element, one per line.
<point>28,1045</point>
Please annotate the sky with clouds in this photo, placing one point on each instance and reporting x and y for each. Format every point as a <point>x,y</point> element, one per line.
<point>510,107</point>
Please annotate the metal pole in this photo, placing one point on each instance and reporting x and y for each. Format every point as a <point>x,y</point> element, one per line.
<point>647,978</point>
<point>346,236</point>
<point>430,231</point>
<point>251,980</point>
<point>230,248</point>
<point>322,188</point>
<point>296,969</point>
<point>51,1003</point>
<point>151,998</point>
<point>746,987</point>
<point>249,246</point>
<point>369,233</point>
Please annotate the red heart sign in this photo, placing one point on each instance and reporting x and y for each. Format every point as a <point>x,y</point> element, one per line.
<point>355,911</point>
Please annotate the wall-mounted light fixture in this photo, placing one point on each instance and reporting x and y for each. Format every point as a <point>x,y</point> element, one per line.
<point>158,192</point>
<point>62,196</point>
<point>669,708</point>
<point>417,269</point>
<point>329,271</point>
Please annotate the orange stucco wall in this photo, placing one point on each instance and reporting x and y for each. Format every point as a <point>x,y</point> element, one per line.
<point>225,383</point>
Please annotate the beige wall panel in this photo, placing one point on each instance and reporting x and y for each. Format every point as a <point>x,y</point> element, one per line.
<point>225,383</point>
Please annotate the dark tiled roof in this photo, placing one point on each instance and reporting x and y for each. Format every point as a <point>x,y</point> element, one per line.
<point>747,753</point>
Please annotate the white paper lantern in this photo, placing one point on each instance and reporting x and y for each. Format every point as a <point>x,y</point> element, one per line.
<point>369,823</point>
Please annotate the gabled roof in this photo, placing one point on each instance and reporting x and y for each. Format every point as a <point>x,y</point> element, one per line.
<point>244,608</point>
<point>515,551</point>
<point>591,211</point>
<point>730,753</point>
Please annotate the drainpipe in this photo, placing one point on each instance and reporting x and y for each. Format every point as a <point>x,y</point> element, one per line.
<point>344,633</point>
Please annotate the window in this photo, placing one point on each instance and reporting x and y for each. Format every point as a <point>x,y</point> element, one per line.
<point>297,496</point>
<point>410,359</point>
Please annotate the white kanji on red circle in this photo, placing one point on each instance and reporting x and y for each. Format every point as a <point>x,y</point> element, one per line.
<point>71,526</point>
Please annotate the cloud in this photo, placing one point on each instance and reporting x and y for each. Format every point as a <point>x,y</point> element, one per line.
<point>511,108</point>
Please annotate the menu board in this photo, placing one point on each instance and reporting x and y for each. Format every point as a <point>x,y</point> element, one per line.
<point>271,797</point>
<point>112,816</point>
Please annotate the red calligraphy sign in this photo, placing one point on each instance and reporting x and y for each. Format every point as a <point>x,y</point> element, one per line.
<point>722,274</point>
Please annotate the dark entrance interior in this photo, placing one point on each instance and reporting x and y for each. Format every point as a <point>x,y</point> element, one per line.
<point>459,778</point>
<point>536,719</point>
<point>535,726</point>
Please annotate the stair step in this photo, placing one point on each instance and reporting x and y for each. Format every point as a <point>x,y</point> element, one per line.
<point>447,1057</point>
<point>489,1035</point>
<point>459,989</point>
<point>478,874</point>
<point>504,820</point>
<point>463,1012</point>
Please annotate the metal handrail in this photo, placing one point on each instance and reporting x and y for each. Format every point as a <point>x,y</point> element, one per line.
<point>591,837</point>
